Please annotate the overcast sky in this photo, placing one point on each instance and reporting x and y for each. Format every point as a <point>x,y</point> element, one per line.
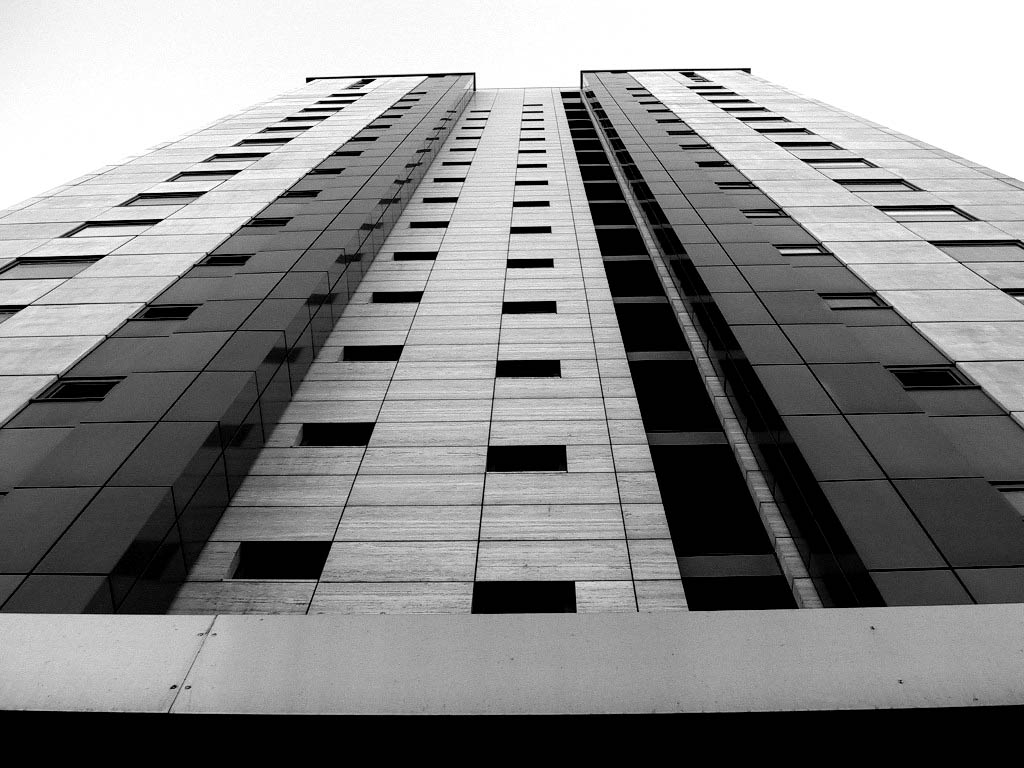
<point>85,83</point>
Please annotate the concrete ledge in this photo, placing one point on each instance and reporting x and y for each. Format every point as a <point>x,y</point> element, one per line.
<point>931,657</point>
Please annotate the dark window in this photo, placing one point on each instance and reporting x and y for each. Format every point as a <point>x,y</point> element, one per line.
<point>529,230</point>
<point>528,369</point>
<point>838,162</point>
<point>528,307</point>
<point>877,185</point>
<point>80,389</point>
<point>526,458</point>
<point>125,228</point>
<point>263,142</point>
<point>530,263</point>
<point>336,433</point>
<point>440,199</point>
<point>297,194</point>
<point>532,165</point>
<point>748,593</point>
<point>167,312</point>
<point>457,162</point>
<point>714,164</point>
<point>231,157</point>
<point>347,153</point>
<point>531,204</point>
<point>326,171</point>
<point>621,241</point>
<point>930,377</point>
<point>531,182</point>
<point>727,185</point>
<point>372,352</point>
<point>415,255</point>
<point>911,213</point>
<point>449,180</point>
<point>524,597</point>
<point>808,145</point>
<point>852,300</point>
<point>207,175</point>
<point>46,267</point>
<point>227,260</point>
<point>8,311</point>
<point>765,213</point>
<point>397,297</point>
<point>428,224</point>
<point>270,222</point>
<point>281,560</point>
<point>167,198</point>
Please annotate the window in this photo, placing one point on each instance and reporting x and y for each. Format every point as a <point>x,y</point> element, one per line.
<point>363,138</point>
<point>529,230</point>
<point>728,185</point>
<point>260,142</point>
<point>877,185</point>
<point>930,377</point>
<point>531,182</point>
<point>807,145</point>
<point>456,162</point>
<point>9,311</point>
<point>532,152</point>
<point>762,119</point>
<point>269,222</point>
<point>203,175</point>
<point>49,267</point>
<point>531,204</point>
<point>234,157</point>
<point>167,312</point>
<point>298,194</point>
<point>428,224</point>
<point>531,165</point>
<point>910,213</point>
<point>286,128</point>
<point>534,369</point>
<point>772,131</point>
<point>982,250</point>
<point>695,146</point>
<point>303,118</point>
<point>1016,293</point>
<point>714,164</point>
<point>336,433</point>
<point>372,352</point>
<point>530,263</point>
<point>112,228</point>
<point>528,307</point>
<point>440,199</point>
<point>347,153</point>
<point>397,297</point>
<point>839,162</point>
<point>449,180</point>
<point>326,171</point>
<point>80,389</point>
<point>800,250</point>
<point>766,213</point>
<point>281,560</point>
<point>852,300</point>
<point>227,260</point>
<point>526,458</point>
<point>524,597</point>
<point>415,255</point>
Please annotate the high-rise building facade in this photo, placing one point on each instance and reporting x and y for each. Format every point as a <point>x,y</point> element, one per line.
<point>664,344</point>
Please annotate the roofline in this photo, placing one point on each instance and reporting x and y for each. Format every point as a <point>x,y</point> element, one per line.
<point>666,69</point>
<point>393,74</point>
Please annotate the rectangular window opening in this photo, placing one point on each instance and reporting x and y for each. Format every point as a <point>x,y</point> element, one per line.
<point>281,560</point>
<point>324,434</point>
<point>528,369</point>
<point>524,597</point>
<point>371,352</point>
<point>528,307</point>
<point>80,389</point>
<point>526,458</point>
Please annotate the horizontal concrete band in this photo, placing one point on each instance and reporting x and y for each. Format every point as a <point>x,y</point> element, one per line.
<point>918,657</point>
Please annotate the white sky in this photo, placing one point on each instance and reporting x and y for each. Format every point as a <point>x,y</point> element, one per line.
<point>85,83</point>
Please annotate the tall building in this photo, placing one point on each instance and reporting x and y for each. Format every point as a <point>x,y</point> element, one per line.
<point>734,372</point>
